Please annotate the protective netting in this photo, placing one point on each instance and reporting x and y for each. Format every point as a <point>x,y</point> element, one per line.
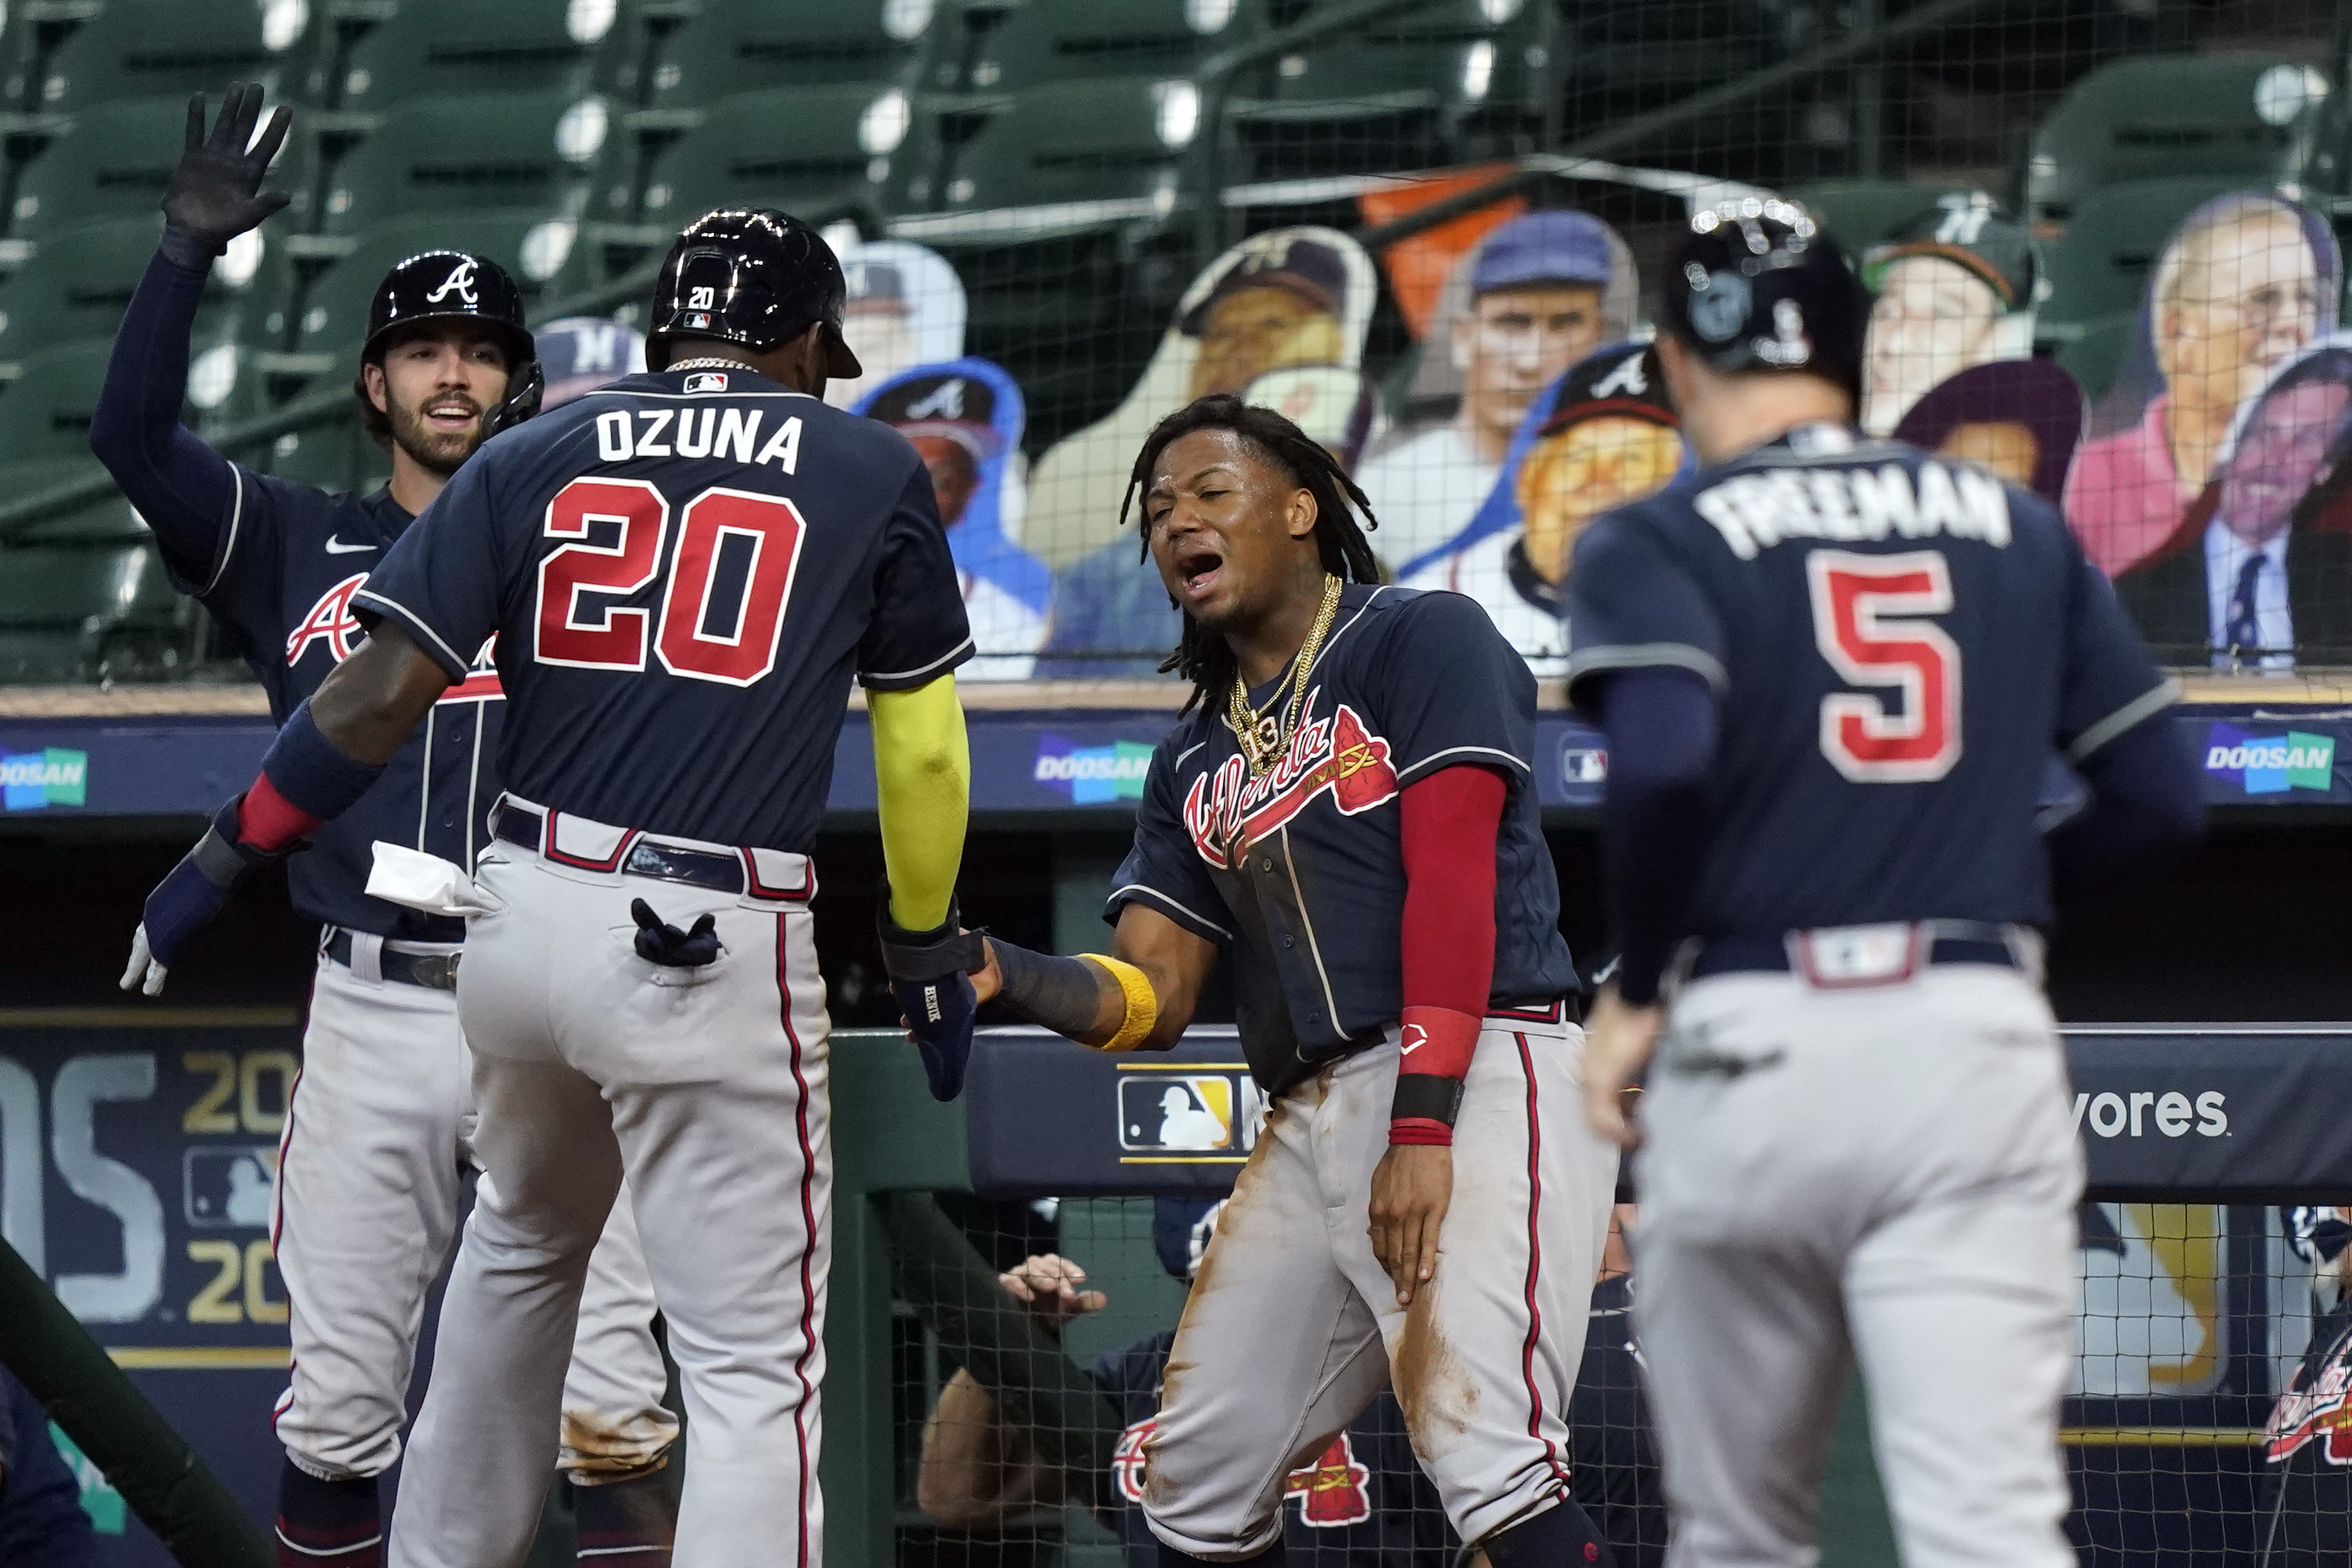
<point>2101,236</point>
<point>2205,1418</point>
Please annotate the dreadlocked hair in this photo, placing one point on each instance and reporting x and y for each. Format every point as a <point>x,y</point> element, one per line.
<point>1201,657</point>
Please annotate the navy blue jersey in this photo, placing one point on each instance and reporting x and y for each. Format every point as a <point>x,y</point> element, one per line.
<point>1300,875</point>
<point>1363,1504</point>
<point>683,572</point>
<point>1897,643</point>
<point>280,578</point>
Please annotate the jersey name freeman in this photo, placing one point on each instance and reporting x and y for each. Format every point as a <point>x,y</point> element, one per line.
<point>1756,511</point>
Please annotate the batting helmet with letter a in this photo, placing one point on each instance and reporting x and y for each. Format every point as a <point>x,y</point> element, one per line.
<point>752,276</point>
<point>1756,285</point>
<point>455,284</point>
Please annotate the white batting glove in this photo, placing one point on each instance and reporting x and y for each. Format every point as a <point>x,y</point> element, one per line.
<point>142,974</point>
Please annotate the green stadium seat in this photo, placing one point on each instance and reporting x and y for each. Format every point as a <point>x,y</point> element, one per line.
<point>444,49</point>
<point>111,160</point>
<point>90,603</point>
<point>2095,356</point>
<point>536,150</point>
<point>745,46</point>
<point>2159,117</point>
<point>135,48</point>
<point>1109,149</point>
<point>79,280</point>
<point>1624,57</point>
<point>1398,92</point>
<point>1039,42</point>
<point>795,148</point>
<point>545,256</point>
<point>339,456</point>
<point>1863,213</point>
<point>2101,269</point>
<point>46,412</point>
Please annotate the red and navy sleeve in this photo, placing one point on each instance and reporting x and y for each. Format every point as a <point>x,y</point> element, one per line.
<point>1633,604</point>
<point>918,632</point>
<point>1451,692</point>
<point>1164,871</point>
<point>443,583</point>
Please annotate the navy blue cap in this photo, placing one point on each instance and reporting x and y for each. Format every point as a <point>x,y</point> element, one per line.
<point>1555,246</point>
<point>1307,268</point>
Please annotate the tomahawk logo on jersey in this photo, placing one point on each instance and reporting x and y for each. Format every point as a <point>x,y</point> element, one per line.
<point>683,572</point>
<point>1298,872</point>
<point>281,584</point>
<point>1871,619</point>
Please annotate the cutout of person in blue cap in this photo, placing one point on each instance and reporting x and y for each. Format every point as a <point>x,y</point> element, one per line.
<point>906,307</point>
<point>965,418</point>
<point>1538,293</point>
<point>1604,437</point>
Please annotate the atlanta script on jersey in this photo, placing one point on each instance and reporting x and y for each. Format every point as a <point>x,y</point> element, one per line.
<point>683,571</point>
<point>1301,873</point>
<point>283,569</point>
<point>1874,621</point>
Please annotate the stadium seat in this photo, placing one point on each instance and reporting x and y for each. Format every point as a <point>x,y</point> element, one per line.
<point>338,456</point>
<point>538,150</point>
<point>79,280</point>
<point>444,49</point>
<point>1041,42</point>
<point>88,602</point>
<point>134,49</point>
<point>796,148</point>
<point>2095,355</point>
<point>2101,267</point>
<point>744,45</point>
<point>1863,213</point>
<point>543,253</point>
<point>2158,117</point>
<point>1623,57</point>
<point>1395,93</point>
<point>1113,144</point>
<point>111,160</point>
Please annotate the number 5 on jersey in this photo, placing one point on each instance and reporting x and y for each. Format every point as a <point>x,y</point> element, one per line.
<point>1866,610</point>
<point>720,612</point>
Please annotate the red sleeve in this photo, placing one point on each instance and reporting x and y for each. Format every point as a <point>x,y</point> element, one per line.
<point>1449,824</point>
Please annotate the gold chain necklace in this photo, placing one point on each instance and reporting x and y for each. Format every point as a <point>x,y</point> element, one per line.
<point>1260,735</point>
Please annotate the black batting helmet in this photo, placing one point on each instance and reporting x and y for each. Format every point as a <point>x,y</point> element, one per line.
<point>753,276</point>
<point>456,284</point>
<point>1756,285</point>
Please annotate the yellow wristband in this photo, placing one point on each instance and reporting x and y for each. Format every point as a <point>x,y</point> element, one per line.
<point>1142,1003</point>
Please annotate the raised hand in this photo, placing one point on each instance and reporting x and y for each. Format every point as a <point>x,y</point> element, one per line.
<point>216,192</point>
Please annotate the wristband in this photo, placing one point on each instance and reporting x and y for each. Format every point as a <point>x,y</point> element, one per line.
<point>1142,1003</point>
<point>919,957</point>
<point>1061,994</point>
<point>305,770</point>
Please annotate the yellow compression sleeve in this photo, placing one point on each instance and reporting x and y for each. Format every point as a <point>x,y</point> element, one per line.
<point>922,787</point>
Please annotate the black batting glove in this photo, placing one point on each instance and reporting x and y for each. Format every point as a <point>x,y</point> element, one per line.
<point>216,192</point>
<point>927,971</point>
<point>660,943</point>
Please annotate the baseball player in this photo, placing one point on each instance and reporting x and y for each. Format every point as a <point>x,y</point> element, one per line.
<point>1347,807</point>
<point>683,572</point>
<point>369,1184</point>
<point>1830,672</point>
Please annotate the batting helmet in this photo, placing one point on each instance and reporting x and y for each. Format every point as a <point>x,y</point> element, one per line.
<point>754,277</point>
<point>455,284</point>
<point>1756,285</point>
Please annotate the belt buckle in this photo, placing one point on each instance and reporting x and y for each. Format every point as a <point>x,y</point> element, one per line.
<point>1844,958</point>
<point>435,971</point>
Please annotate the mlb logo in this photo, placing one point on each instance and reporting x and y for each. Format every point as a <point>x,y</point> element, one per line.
<point>1583,765</point>
<point>233,1188</point>
<point>697,319</point>
<point>706,381</point>
<point>1192,1114</point>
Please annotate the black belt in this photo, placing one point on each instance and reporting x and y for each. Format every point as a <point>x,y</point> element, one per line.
<point>1955,941</point>
<point>718,871</point>
<point>433,970</point>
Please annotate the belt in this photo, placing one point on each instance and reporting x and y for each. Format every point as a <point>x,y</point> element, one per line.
<point>433,970</point>
<point>1813,952</point>
<point>721,873</point>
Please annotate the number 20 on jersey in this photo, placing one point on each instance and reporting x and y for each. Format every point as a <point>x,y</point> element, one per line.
<point>720,612</point>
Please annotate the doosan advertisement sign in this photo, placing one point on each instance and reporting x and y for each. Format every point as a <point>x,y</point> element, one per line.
<point>2271,764</point>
